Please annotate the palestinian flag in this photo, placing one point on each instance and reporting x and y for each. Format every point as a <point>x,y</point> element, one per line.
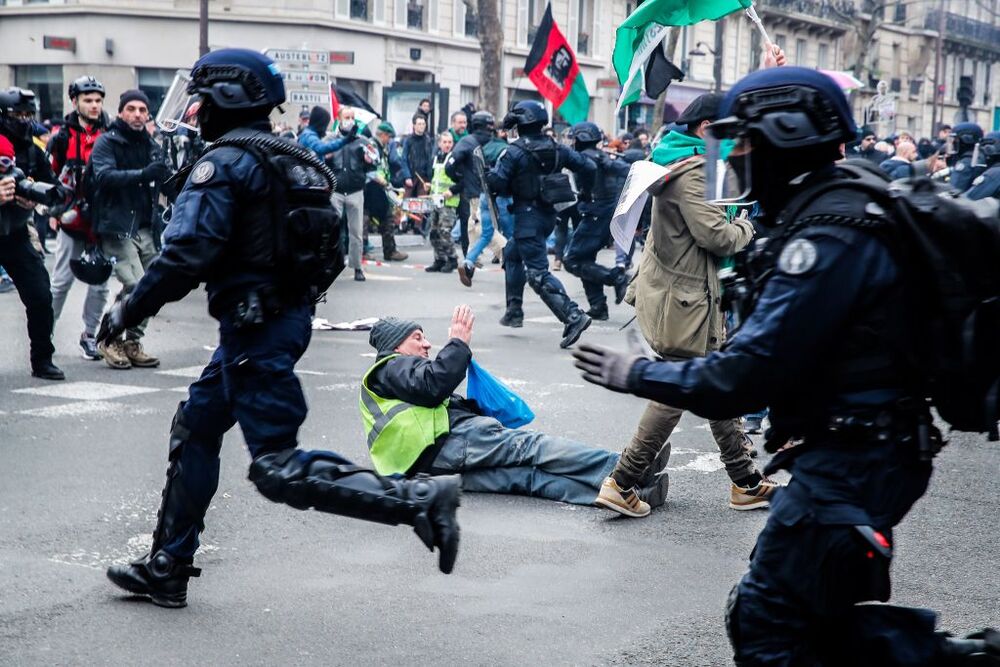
<point>553,68</point>
<point>642,32</point>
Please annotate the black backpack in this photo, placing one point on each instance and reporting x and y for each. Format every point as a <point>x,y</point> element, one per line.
<point>308,244</point>
<point>949,249</point>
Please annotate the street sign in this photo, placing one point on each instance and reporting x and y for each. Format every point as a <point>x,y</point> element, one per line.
<point>306,97</point>
<point>299,57</point>
<point>305,78</point>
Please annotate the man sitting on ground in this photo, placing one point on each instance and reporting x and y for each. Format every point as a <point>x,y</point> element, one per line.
<point>416,423</point>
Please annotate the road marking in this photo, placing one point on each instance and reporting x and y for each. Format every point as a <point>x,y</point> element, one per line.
<point>84,408</point>
<point>87,391</point>
<point>186,372</point>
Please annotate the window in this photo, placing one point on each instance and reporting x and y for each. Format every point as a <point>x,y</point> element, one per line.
<point>416,14</point>
<point>823,56</point>
<point>800,52</point>
<point>47,83</point>
<point>586,26</point>
<point>155,82</point>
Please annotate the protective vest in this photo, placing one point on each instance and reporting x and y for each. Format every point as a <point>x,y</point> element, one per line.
<point>398,432</point>
<point>441,182</point>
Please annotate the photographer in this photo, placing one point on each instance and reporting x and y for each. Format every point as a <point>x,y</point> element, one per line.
<point>127,167</point>
<point>70,150</point>
<point>17,254</point>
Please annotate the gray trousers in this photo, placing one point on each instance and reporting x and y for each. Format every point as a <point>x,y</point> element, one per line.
<point>655,427</point>
<point>351,209</point>
<point>69,248</point>
<point>131,257</point>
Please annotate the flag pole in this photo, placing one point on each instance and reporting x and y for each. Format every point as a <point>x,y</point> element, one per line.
<point>752,15</point>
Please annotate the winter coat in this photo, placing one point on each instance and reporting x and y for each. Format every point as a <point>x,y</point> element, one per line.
<point>122,202</point>
<point>676,291</point>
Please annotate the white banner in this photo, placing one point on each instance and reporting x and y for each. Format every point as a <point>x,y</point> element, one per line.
<point>632,200</point>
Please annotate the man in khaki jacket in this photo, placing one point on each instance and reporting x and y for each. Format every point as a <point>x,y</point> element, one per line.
<point>676,294</point>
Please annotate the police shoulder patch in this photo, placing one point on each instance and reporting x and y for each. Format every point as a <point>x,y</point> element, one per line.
<point>798,257</point>
<point>203,172</point>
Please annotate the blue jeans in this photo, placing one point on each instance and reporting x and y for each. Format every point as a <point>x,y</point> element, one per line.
<point>494,459</point>
<point>487,222</point>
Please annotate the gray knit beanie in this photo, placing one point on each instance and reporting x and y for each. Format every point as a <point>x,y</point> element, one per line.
<point>389,332</point>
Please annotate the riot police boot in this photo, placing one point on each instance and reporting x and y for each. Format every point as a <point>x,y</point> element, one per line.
<point>450,265</point>
<point>435,267</point>
<point>979,648</point>
<point>575,326</point>
<point>158,575</point>
<point>329,483</point>
<point>599,313</point>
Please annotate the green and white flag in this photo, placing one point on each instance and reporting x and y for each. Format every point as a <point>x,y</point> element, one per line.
<point>643,31</point>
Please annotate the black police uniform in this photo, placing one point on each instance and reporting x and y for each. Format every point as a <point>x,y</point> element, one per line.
<point>823,348</point>
<point>226,231</point>
<point>516,175</point>
<point>593,232</point>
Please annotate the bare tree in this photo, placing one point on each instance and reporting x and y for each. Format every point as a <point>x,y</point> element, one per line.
<point>490,34</point>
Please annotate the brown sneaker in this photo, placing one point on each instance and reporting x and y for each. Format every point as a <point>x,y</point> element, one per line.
<point>758,497</point>
<point>138,357</point>
<point>623,501</point>
<point>114,355</point>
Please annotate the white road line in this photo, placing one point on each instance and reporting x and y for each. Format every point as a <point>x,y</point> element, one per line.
<point>87,391</point>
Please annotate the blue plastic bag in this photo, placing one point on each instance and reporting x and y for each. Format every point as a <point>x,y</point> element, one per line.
<point>496,399</point>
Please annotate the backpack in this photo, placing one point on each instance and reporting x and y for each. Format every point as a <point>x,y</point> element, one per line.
<point>307,248</point>
<point>949,248</point>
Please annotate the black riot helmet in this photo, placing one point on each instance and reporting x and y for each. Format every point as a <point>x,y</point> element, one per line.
<point>17,113</point>
<point>482,121</point>
<point>989,148</point>
<point>84,85</point>
<point>92,267</point>
<point>228,88</point>
<point>585,135</point>
<point>528,116</point>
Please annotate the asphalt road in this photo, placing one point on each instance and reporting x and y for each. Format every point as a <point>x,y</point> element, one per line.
<point>537,582</point>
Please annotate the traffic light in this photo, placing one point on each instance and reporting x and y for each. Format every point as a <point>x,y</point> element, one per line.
<point>965,93</point>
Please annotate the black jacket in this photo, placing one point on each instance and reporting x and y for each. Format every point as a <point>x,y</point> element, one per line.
<point>122,202</point>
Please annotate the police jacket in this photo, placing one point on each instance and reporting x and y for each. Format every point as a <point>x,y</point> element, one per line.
<point>824,337</point>
<point>986,185</point>
<point>964,173</point>
<point>517,172</point>
<point>349,164</point>
<point>427,383</point>
<point>609,179</point>
<point>122,201</point>
<point>460,165</point>
<point>30,159</point>
<point>221,233</point>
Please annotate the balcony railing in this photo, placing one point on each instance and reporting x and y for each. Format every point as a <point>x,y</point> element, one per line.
<point>957,26</point>
<point>830,10</point>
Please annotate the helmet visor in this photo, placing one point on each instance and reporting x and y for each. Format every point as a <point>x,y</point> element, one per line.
<point>727,171</point>
<point>179,108</point>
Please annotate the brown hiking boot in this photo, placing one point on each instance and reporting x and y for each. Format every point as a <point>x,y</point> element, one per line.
<point>138,357</point>
<point>114,355</point>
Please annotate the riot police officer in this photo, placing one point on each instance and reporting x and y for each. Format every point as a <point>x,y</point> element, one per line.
<point>987,184</point>
<point>254,222</point>
<point>821,348</point>
<point>964,138</point>
<point>594,228</point>
<point>530,172</point>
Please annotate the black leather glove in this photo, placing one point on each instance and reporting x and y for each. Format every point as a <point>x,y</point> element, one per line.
<point>604,366</point>
<point>113,322</point>
<point>155,171</point>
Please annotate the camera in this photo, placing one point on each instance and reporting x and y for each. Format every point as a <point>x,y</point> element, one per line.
<point>40,193</point>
